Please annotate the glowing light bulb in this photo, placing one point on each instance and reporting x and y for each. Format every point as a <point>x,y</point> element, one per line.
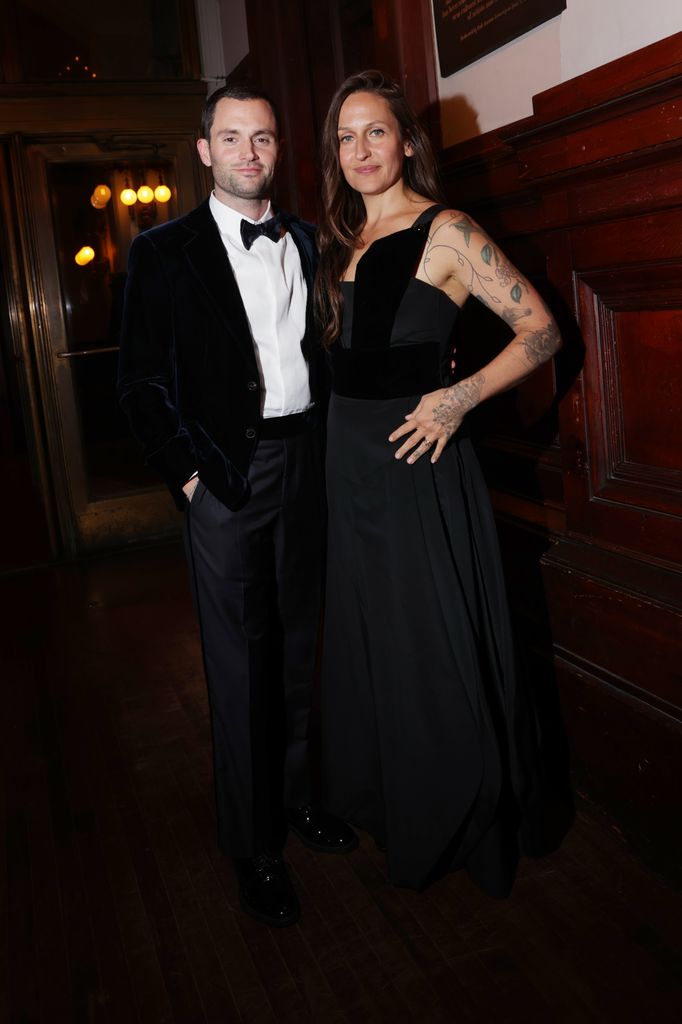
<point>103,193</point>
<point>84,255</point>
<point>162,193</point>
<point>128,197</point>
<point>145,194</point>
<point>97,203</point>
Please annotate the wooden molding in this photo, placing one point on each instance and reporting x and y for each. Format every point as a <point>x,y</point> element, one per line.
<point>659,64</point>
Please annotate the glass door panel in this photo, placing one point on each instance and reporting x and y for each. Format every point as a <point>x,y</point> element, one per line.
<point>93,230</point>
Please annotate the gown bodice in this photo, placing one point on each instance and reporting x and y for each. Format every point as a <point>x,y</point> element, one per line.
<point>397,330</point>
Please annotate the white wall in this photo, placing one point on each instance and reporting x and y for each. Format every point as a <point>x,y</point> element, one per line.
<point>499,88</point>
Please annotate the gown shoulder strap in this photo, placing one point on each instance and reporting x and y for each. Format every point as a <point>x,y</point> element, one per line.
<point>427,216</point>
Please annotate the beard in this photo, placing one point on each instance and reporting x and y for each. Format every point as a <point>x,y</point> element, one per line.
<point>243,188</point>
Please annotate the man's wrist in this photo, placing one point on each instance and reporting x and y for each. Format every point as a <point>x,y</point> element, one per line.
<point>189,487</point>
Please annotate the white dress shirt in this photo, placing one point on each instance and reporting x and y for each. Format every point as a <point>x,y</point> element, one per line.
<point>274,292</point>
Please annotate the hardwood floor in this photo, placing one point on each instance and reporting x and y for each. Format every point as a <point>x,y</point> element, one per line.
<point>120,909</point>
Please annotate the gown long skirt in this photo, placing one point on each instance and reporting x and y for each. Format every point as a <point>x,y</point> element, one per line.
<point>426,738</point>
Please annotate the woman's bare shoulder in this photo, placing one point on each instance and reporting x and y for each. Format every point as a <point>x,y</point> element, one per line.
<point>456,219</point>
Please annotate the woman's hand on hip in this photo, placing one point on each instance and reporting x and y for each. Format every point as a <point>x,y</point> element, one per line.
<point>438,416</point>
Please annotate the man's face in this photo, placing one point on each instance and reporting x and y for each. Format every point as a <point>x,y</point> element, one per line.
<point>242,151</point>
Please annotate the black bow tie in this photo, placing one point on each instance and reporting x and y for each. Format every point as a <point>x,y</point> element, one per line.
<point>270,228</point>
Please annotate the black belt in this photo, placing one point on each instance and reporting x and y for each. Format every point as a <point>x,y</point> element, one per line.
<point>276,427</point>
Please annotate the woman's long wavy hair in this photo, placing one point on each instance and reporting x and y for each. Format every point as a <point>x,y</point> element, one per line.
<point>344,212</point>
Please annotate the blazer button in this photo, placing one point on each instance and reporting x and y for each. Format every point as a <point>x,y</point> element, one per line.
<point>252,385</point>
<point>250,433</point>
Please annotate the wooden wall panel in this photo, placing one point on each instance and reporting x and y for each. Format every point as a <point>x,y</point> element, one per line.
<point>626,760</point>
<point>586,464</point>
<point>631,320</point>
<point>631,638</point>
<point>279,43</point>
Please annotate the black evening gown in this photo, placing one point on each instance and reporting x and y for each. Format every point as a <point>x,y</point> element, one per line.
<point>426,737</point>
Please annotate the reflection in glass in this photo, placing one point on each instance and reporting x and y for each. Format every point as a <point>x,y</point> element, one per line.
<point>92,292</point>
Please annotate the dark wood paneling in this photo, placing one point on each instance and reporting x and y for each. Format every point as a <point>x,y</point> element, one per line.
<point>405,49</point>
<point>586,197</point>
<point>627,78</point>
<point>631,318</point>
<point>631,638</point>
<point>626,757</point>
<point>279,45</point>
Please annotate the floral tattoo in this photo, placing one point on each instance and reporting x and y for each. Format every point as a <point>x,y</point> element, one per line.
<point>538,345</point>
<point>457,401</point>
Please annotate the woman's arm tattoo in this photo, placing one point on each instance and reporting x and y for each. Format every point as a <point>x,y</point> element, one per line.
<point>540,345</point>
<point>457,401</point>
<point>500,266</point>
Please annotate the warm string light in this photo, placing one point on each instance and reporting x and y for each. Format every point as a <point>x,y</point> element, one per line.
<point>145,194</point>
<point>100,196</point>
<point>77,69</point>
<point>162,193</point>
<point>84,255</point>
<point>128,196</point>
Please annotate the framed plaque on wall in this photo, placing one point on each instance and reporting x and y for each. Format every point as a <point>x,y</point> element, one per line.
<point>469,29</point>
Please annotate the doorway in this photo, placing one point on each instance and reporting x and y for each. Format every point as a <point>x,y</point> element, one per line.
<point>73,234</point>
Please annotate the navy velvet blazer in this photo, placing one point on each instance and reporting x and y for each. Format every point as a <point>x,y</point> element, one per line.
<point>188,377</point>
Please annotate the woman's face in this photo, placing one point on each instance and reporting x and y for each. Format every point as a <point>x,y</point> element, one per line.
<point>371,150</point>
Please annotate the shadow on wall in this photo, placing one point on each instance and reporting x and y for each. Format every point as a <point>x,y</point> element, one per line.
<point>481,335</point>
<point>459,120</point>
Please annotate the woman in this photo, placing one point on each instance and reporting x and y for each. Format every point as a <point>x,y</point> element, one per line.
<point>423,721</point>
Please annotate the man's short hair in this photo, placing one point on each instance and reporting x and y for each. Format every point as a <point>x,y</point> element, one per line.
<point>233,91</point>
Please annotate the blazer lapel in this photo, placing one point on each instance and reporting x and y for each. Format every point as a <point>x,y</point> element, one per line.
<point>208,260</point>
<point>308,255</point>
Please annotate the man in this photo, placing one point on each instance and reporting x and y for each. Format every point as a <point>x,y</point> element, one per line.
<point>219,379</point>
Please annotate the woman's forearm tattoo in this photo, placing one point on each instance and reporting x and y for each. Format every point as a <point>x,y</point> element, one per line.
<point>540,345</point>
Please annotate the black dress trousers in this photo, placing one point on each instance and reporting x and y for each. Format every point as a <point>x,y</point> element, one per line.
<point>257,575</point>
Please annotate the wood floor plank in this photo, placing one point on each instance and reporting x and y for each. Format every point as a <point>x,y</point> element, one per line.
<point>430,988</point>
<point>4,877</point>
<point>330,932</point>
<point>121,909</point>
<point>366,958</point>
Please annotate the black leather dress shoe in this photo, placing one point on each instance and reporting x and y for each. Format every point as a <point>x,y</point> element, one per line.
<point>265,890</point>
<point>321,831</point>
